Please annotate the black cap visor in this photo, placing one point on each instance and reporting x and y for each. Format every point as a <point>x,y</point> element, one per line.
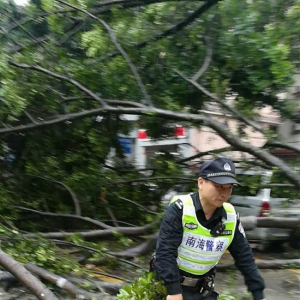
<point>223,180</point>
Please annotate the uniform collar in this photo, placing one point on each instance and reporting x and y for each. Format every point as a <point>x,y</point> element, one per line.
<point>219,212</point>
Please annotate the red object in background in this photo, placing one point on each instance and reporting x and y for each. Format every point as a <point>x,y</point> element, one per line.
<point>179,131</point>
<point>265,209</point>
<point>142,134</point>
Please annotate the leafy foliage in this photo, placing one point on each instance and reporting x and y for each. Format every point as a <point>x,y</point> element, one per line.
<point>39,251</point>
<point>145,287</point>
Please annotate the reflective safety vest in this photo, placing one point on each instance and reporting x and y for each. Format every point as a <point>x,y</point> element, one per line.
<point>199,251</point>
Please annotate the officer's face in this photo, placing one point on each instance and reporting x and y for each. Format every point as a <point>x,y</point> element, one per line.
<point>214,193</point>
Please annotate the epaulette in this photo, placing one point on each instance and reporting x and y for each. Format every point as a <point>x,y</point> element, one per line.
<point>179,203</point>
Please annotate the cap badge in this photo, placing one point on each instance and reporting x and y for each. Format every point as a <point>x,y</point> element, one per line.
<point>227,167</point>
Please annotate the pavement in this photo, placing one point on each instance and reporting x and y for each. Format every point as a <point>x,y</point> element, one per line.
<point>280,284</point>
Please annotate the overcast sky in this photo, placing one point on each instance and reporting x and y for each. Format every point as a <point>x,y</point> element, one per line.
<point>21,2</point>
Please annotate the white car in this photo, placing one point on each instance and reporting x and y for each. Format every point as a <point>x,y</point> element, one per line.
<point>263,201</point>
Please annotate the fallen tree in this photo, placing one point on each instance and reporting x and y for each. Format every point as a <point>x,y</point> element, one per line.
<point>47,87</point>
<point>266,264</point>
<point>249,223</point>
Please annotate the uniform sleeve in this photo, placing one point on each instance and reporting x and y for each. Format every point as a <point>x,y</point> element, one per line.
<point>244,260</point>
<point>169,239</point>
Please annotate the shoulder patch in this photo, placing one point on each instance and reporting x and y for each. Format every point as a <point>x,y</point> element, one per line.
<point>179,203</point>
<point>241,229</point>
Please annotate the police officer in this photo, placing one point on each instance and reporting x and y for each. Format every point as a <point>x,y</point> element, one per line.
<point>195,232</point>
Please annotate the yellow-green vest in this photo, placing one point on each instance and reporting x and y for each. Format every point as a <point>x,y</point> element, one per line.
<point>199,251</point>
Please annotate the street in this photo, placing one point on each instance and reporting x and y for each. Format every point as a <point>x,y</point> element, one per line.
<point>280,284</point>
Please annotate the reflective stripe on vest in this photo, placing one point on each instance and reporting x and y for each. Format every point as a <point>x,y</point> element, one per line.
<point>199,251</point>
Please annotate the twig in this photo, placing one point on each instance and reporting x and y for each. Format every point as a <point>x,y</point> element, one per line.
<point>120,49</point>
<point>172,30</point>
<point>207,60</point>
<point>78,217</point>
<point>20,47</point>
<point>60,77</point>
<point>28,19</point>
<point>24,29</point>
<point>107,207</point>
<point>29,116</point>
<point>71,192</point>
<point>138,205</point>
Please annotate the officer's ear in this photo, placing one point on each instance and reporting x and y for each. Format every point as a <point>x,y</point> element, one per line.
<point>200,183</point>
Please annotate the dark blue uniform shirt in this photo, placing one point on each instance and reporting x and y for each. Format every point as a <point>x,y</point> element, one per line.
<point>170,236</point>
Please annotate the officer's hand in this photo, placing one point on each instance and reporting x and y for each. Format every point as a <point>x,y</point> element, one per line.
<point>174,297</point>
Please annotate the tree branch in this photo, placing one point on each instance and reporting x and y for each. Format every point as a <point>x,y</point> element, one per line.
<point>60,282</point>
<point>100,8</point>
<point>272,143</point>
<point>59,77</point>
<point>129,231</point>
<point>151,179</point>
<point>114,40</point>
<point>25,277</point>
<point>200,154</point>
<point>219,127</point>
<point>108,101</point>
<point>221,102</point>
<point>133,3</point>
<point>142,249</point>
<point>68,216</point>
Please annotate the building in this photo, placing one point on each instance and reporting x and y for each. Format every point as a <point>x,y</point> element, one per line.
<point>288,130</point>
<point>206,139</point>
